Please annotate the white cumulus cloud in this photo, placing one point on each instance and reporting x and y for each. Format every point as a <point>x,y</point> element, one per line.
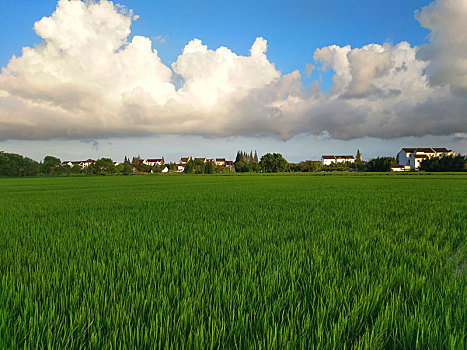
<point>447,50</point>
<point>87,79</point>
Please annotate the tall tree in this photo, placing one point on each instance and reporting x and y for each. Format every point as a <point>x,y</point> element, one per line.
<point>238,157</point>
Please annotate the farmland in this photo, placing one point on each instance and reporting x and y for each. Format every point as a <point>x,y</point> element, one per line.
<point>307,261</point>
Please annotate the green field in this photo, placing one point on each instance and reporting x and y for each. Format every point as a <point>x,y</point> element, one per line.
<point>198,262</point>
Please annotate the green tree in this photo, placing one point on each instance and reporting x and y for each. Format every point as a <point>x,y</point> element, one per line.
<point>238,166</point>
<point>238,157</point>
<point>306,166</point>
<point>172,166</point>
<point>50,164</point>
<point>189,167</point>
<point>245,168</point>
<point>105,166</point>
<point>30,167</point>
<point>198,166</point>
<point>381,164</point>
<point>119,168</point>
<point>12,164</point>
<point>448,163</point>
<point>158,168</point>
<point>245,162</point>
<point>273,163</point>
<point>76,169</point>
<point>64,169</point>
<point>254,166</point>
<point>267,163</point>
<point>127,169</point>
<point>209,168</point>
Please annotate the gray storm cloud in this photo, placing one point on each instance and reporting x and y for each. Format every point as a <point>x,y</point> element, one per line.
<point>87,80</point>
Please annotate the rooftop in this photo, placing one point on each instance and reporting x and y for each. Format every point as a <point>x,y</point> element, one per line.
<point>426,149</point>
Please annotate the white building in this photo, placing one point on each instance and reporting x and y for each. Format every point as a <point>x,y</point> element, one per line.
<point>220,161</point>
<point>183,161</point>
<point>400,168</point>
<point>413,157</point>
<point>345,159</point>
<point>154,161</point>
<point>327,160</point>
<point>86,163</point>
<point>80,163</point>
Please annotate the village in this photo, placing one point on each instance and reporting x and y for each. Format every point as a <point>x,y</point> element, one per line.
<point>160,162</point>
<point>407,159</point>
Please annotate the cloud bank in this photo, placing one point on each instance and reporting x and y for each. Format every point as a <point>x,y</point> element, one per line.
<point>86,79</point>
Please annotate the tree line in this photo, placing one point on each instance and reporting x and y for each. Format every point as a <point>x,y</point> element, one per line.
<point>198,166</point>
<point>269,163</point>
<point>245,162</point>
<point>448,163</point>
<point>12,164</point>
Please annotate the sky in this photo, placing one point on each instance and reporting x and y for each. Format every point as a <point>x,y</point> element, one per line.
<point>182,78</point>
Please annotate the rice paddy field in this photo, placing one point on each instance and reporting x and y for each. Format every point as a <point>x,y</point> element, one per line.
<point>234,262</point>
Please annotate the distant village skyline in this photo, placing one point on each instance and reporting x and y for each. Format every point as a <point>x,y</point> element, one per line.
<point>325,158</point>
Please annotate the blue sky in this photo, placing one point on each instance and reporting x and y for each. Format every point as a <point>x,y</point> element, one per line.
<point>294,30</point>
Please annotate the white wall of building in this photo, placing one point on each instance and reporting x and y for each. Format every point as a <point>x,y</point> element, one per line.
<point>327,161</point>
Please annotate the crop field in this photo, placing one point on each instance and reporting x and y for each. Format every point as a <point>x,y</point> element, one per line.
<point>207,262</point>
